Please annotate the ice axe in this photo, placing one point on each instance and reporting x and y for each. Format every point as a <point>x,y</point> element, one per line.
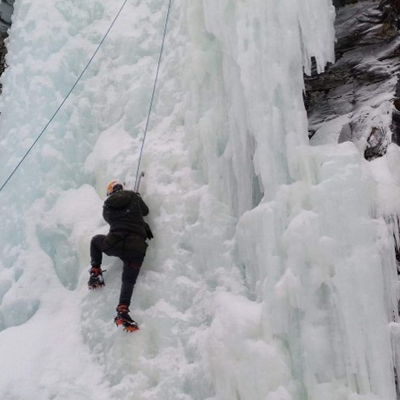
<point>138,182</point>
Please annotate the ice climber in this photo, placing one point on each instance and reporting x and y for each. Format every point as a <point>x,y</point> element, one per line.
<point>123,210</point>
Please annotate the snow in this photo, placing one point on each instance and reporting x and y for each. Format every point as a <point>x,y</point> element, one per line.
<point>272,273</point>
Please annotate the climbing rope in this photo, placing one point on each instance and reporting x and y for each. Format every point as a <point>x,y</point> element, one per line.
<point>137,180</point>
<point>66,97</point>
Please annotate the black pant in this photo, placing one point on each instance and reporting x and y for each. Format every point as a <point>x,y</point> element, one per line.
<point>132,262</point>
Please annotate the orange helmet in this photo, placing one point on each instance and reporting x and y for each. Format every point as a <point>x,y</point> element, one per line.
<point>114,186</point>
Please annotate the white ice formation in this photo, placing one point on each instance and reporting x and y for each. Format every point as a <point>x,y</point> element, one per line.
<point>272,274</point>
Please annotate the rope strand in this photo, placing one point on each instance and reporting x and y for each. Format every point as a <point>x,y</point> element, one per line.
<point>153,93</point>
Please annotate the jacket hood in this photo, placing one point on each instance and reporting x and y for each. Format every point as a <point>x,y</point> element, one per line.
<point>119,199</point>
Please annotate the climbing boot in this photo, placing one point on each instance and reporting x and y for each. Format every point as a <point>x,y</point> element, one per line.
<point>96,279</point>
<point>124,319</point>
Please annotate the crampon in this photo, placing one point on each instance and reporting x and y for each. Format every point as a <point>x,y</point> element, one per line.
<point>96,279</point>
<point>124,319</point>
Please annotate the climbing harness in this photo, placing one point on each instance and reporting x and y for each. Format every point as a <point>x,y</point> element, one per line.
<point>78,80</point>
<point>137,180</point>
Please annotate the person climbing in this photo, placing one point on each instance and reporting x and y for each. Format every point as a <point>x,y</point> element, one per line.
<point>123,210</point>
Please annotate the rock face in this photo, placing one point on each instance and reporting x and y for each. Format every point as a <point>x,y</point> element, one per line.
<point>357,98</point>
<point>341,3</point>
<point>3,52</point>
<point>6,10</point>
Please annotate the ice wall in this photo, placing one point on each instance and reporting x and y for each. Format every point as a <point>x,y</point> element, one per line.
<point>57,339</point>
<point>317,256</point>
<point>271,273</point>
<point>253,104</point>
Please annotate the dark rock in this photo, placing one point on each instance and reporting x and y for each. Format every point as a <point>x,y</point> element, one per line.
<point>6,10</point>
<point>3,52</point>
<point>341,3</point>
<point>376,144</point>
<point>354,93</point>
<point>396,120</point>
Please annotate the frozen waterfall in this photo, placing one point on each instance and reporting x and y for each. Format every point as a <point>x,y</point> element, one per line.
<point>272,275</point>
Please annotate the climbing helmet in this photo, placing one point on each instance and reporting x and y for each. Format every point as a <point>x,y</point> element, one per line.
<point>114,186</point>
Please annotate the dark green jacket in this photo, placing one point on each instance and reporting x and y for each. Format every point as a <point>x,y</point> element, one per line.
<point>124,211</point>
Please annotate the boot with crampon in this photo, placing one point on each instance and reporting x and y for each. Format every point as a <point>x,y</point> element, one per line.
<point>124,319</point>
<point>96,279</point>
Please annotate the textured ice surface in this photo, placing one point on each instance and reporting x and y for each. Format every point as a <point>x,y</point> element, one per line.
<point>272,272</point>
